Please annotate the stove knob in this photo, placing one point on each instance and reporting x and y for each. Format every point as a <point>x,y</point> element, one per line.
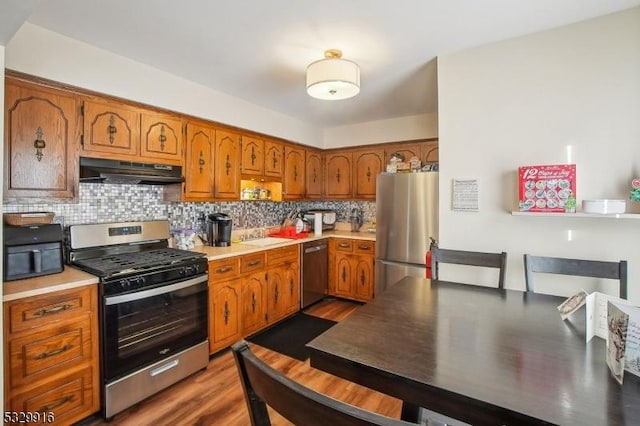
<point>125,284</point>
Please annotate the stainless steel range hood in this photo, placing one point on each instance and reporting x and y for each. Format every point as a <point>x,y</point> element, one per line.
<point>98,170</point>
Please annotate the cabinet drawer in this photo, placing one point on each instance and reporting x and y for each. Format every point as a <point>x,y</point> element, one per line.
<point>38,311</point>
<point>252,263</point>
<point>344,245</point>
<point>283,254</point>
<point>70,398</point>
<point>220,270</point>
<point>364,247</point>
<point>42,354</point>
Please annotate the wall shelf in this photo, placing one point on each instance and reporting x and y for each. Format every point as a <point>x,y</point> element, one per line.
<point>579,214</point>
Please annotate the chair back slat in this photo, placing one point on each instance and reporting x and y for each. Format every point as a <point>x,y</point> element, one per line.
<point>575,267</point>
<point>471,258</point>
<point>263,386</point>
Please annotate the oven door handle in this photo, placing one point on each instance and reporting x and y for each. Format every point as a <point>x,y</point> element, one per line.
<point>114,300</point>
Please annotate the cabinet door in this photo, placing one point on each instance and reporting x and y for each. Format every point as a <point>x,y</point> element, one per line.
<point>224,315</point>
<point>338,175</point>
<point>367,166</point>
<point>294,159</point>
<point>252,156</point>
<point>429,152</point>
<point>363,278</point>
<point>291,290</point>
<point>198,168</point>
<point>161,137</point>
<point>254,303</point>
<point>407,150</point>
<point>343,275</point>
<point>273,164</point>
<point>110,130</point>
<point>40,144</point>
<point>276,297</point>
<point>226,183</point>
<point>314,174</point>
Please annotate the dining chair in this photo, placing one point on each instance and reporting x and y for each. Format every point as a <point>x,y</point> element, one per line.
<point>576,267</point>
<point>471,258</point>
<point>263,386</point>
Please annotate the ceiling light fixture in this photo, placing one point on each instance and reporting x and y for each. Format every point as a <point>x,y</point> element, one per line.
<point>333,78</point>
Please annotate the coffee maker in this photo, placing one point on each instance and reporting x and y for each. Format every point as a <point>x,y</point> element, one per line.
<point>219,229</point>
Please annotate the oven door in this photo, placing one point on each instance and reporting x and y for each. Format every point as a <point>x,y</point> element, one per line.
<point>145,326</point>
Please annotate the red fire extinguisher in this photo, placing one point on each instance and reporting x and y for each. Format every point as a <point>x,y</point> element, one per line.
<point>427,259</point>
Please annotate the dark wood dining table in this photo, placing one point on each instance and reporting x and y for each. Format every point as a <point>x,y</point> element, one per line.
<point>480,355</point>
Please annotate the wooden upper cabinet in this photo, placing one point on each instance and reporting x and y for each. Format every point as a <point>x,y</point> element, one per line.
<point>226,182</point>
<point>198,165</point>
<point>161,137</point>
<point>367,165</point>
<point>314,174</point>
<point>407,150</point>
<point>111,129</point>
<point>41,136</point>
<point>273,164</point>
<point>294,176</point>
<point>338,175</point>
<point>252,156</point>
<point>429,152</point>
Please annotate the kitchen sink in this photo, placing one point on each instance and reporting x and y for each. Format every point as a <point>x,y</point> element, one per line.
<point>267,241</point>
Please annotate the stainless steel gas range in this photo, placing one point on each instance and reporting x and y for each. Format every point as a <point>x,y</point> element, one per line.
<point>153,307</point>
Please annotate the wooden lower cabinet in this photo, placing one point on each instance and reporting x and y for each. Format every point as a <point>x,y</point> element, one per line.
<point>51,355</point>
<point>351,269</point>
<point>250,292</point>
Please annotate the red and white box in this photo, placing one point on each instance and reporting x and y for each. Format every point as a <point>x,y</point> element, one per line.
<point>546,188</point>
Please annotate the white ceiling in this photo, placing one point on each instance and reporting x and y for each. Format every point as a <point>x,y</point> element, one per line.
<point>258,50</point>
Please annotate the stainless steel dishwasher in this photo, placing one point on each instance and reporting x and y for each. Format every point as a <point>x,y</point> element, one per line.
<point>315,265</point>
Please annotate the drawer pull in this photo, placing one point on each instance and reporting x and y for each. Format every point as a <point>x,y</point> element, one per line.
<point>344,245</point>
<point>60,308</point>
<point>56,404</point>
<point>253,262</point>
<point>364,247</point>
<point>44,355</point>
<point>223,269</point>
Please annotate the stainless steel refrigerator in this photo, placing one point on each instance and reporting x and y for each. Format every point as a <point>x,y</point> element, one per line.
<point>406,216</point>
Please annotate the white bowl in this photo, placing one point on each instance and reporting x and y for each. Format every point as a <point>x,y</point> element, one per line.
<point>603,206</point>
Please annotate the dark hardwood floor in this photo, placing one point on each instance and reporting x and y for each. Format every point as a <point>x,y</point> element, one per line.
<point>214,396</point>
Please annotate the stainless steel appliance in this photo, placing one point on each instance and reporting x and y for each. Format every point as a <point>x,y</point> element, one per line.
<point>356,220</point>
<point>31,251</point>
<point>102,170</point>
<point>328,218</point>
<point>153,307</point>
<point>219,229</point>
<point>406,216</point>
<point>315,280</point>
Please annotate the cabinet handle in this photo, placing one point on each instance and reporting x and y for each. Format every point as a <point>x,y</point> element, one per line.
<point>275,295</point>
<point>362,277</point>
<point>368,174</point>
<point>44,355</point>
<point>253,262</point>
<point>338,176</point>
<point>364,247</point>
<point>57,404</point>
<point>39,144</point>
<point>275,159</point>
<point>295,172</point>
<point>253,155</point>
<point>162,138</point>
<point>291,286</point>
<point>226,313</point>
<point>344,274</point>
<point>227,166</point>
<point>223,269</point>
<point>253,302</point>
<point>112,129</point>
<point>201,161</point>
<point>344,245</point>
<point>315,175</point>
<point>57,309</point>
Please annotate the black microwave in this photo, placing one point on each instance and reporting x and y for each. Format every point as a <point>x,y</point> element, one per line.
<point>31,251</point>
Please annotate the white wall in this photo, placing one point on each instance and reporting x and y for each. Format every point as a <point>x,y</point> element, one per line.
<point>391,130</point>
<point>35,50</point>
<point>521,102</point>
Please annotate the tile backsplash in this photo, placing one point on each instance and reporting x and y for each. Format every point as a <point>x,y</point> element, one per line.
<point>99,203</point>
